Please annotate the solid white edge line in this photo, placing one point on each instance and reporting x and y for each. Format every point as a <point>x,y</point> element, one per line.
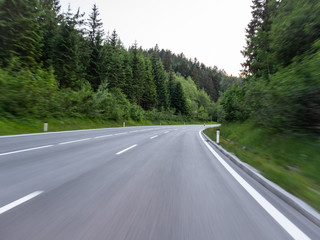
<point>74,141</point>
<point>284,222</point>
<point>25,150</point>
<point>126,149</point>
<point>19,201</point>
<point>154,137</point>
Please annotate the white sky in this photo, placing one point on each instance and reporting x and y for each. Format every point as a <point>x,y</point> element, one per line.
<point>213,31</point>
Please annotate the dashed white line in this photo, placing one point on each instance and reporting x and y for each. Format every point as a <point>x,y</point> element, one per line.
<point>74,141</point>
<point>126,149</point>
<point>25,150</point>
<point>19,201</point>
<point>292,229</point>
<point>153,137</point>
<point>166,131</point>
<point>120,133</point>
<point>103,136</point>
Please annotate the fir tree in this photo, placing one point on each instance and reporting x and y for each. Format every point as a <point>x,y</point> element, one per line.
<point>179,101</point>
<point>49,20</point>
<point>160,79</point>
<point>66,62</point>
<point>20,31</point>
<point>96,71</point>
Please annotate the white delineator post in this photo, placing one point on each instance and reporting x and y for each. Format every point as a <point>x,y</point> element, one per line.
<point>124,124</point>
<point>218,135</point>
<point>45,127</point>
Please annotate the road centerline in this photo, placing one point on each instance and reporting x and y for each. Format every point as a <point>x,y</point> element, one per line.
<point>124,150</point>
<point>153,137</point>
<point>19,201</point>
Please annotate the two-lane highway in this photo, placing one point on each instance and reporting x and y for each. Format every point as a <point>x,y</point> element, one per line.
<point>160,182</point>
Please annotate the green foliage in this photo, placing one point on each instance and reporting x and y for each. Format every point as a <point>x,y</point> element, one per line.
<point>288,160</point>
<point>161,81</point>
<point>232,103</point>
<point>26,92</point>
<point>292,98</point>
<point>96,70</point>
<point>67,55</point>
<point>60,65</point>
<point>179,101</point>
<point>19,28</point>
<point>49,18</point>
<point>295,28</point>
<point>281,91</point>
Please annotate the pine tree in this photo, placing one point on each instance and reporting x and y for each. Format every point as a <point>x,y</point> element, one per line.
<point>149,98</point>
<point>171,87</point>
<point>66,61</point>
<point>166,60</point>
<point>160,79</point>
<point>49,20</point>
<point>127,87</point>
<point>96,71</point>
<point>179,101</point>
<point>257,55</point>
<point>138,74</point>
<point>115,73</point>
<point>20,32</point>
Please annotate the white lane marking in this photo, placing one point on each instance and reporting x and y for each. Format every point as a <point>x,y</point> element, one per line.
<point>153,137</point>
<point>25,150</point>
<point>103,136</point>
<point>166,131</point>
<point>58,132</point>
<point>74,141</point>
<point>19,201</point>
<point>120,133</point>
<point>292,229</point>
<point>126,149</point>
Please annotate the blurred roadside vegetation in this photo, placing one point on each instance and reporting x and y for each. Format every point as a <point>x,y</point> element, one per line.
<point>292,162</point>
<point>281,89</point>
<point>271,119</point>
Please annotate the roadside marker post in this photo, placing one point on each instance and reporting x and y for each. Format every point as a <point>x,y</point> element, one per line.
<point>45,127</point>
<point>124,124</point>
<point>218,136</point>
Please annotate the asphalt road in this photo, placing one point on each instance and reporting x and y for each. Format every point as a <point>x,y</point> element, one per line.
<point>143,183</point>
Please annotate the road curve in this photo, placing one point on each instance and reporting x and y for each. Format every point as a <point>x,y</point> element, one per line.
<point>159,182</point>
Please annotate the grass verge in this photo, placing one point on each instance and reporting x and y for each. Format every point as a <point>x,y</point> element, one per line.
<point>292,162</point>
<point>29,125</point>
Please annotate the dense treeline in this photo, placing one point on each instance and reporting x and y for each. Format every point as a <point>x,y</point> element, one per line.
<point>56,64</point>
<point>282,86</point>
<point>206,78</point>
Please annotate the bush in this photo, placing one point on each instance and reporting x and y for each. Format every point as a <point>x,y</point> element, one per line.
<point>26,92</point>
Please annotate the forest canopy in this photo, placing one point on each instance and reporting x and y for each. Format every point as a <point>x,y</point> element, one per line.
<point>61,64</point>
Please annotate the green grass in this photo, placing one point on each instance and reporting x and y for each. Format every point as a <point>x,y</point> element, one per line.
<point>29,125</point>
<point>293,162</point>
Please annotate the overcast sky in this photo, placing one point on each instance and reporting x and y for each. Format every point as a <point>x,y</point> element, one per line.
<point>213,31</point>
